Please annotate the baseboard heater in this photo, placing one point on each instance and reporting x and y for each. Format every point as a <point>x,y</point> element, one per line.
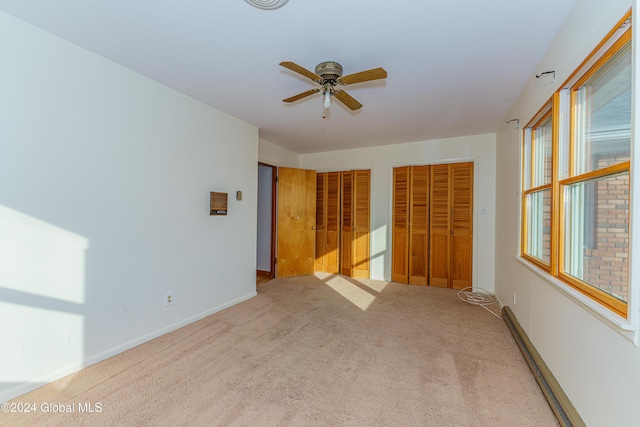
<point>558,400</point>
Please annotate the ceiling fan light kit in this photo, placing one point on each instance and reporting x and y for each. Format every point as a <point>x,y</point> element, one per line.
<point>267,4</point>
<point>329,74</point>
<point>327,99</point>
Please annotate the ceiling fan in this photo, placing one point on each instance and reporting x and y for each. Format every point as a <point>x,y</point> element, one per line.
<point>329,75</point>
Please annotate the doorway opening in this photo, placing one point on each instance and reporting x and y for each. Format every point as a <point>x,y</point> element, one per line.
<point>265,253</point>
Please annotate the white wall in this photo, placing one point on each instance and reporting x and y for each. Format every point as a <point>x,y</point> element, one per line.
<point>381,160</point>
<point>274,155</point>
<point>592,355</point>
<point>104,206</point>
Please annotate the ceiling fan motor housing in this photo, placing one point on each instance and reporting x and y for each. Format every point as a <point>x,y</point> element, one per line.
<point>329,70</point>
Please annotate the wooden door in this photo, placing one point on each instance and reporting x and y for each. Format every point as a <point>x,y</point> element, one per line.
<point>461,224</point>
<point>361,223</point>
<point>451,228</point>
<point>410,234</point>
<point>296,222</point>
<point>419,225</point>
<point>346,224</point>
<point>439,233</point>
<point>400,227</point>
<point>327,222</point>
<point>321,208</point>
<point>355,223</point>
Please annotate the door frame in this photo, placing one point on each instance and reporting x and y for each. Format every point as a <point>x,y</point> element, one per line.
<point>272,264</point>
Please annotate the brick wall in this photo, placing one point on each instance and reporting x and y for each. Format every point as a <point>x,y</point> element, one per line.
<point>606,252</point>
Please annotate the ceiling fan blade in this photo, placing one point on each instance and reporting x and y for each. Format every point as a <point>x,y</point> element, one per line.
<point>347,100</point>
<point>302,95</point>
<point>363,76</point>
<point>301,70</point>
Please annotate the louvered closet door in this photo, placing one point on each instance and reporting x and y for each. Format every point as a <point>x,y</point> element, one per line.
<point>410,234</point>
<point>321,209</point>
<point>361,223</point>
<point>355,223</point>
<point>346,223</point>
<point>440,230</point>
<point>332,249</point>
<point>328,222</point>
<point>462,225</point>
<point>419,225</point>
<point>400,230</point>
<point>451,228</point>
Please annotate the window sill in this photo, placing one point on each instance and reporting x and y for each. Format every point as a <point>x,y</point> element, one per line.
<point>619,324</point>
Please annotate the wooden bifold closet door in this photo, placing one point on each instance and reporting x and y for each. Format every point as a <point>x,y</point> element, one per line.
<point>346,223</point>
<point>432,225</point>
<point>342,223</point>
<point>451,225</point>
<point>410,225</point>
<point>328,222</point>
<point>400,226</point>
<point>355,226</point>
<point>361,224</point>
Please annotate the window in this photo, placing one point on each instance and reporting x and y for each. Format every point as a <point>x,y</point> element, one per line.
<point>537,192</point>
<point>576,182</point>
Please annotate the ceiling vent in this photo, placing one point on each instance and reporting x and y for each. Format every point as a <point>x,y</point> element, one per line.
<point>267,4</point>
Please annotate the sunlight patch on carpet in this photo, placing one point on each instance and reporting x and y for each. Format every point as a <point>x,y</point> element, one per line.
<point>375,285</point>
<point>358,297</point>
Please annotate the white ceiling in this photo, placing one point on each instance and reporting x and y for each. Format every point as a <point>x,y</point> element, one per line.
<point>454,68</point>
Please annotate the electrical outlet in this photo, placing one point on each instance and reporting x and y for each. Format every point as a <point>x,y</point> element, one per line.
<point>168,299</point>
<point>514,298</point>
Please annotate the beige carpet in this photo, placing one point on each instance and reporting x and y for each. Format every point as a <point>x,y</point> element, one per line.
<point>313,351</point>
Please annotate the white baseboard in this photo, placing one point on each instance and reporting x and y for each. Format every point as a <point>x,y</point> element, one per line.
<point>21,389</point>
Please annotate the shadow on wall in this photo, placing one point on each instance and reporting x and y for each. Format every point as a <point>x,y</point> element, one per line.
<point>42,300</point>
